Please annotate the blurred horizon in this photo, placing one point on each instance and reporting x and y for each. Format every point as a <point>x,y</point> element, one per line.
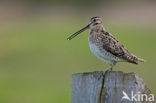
<point>37,61</point>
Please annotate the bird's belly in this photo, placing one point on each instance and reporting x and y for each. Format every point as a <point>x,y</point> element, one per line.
<point>103,54</point>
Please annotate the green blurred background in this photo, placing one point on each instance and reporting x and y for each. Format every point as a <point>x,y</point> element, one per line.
<point>36,60</point>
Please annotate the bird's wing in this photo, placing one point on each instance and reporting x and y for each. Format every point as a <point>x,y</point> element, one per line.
<point>112,45</point>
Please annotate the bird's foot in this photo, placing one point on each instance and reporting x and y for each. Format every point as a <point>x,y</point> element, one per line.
<point>108,70</point>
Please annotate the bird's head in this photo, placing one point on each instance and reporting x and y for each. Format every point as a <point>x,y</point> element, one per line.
<point>94,21</point>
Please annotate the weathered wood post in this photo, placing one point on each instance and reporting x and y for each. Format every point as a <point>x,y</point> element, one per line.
<point>109,87</point>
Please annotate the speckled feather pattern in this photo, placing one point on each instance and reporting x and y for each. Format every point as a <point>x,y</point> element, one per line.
<point>104,45</point>
<point>107,48</point>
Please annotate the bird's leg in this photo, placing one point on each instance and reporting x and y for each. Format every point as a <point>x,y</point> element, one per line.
<point>112,65</point>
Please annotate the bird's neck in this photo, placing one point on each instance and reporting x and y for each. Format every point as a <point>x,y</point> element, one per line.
<point>97,29</point>
<point>95,32</point>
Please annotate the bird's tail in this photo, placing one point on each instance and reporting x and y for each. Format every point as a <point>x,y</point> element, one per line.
<point>134,59</point>
<point>141,60</point>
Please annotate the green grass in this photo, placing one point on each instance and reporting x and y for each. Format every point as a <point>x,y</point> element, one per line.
<point>36,60</point>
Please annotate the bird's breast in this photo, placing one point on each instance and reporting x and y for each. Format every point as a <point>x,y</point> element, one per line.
<point>103,55</point>
<point>98,50</point>
<point>94,42</point>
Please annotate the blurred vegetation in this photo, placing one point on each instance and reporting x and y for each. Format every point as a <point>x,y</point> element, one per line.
<point>75,2</point>
<point>36,60</point>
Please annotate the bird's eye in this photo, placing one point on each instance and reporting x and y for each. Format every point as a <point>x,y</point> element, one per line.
<point>94,20</point>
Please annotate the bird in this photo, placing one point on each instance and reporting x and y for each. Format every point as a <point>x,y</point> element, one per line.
<point>105,46</point>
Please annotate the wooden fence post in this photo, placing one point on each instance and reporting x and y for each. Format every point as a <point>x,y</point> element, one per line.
<point>109,87</point>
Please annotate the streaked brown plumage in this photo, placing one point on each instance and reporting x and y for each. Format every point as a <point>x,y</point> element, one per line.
<point>105,46</point>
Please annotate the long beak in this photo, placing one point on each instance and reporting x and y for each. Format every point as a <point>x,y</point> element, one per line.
<point>78,32</point>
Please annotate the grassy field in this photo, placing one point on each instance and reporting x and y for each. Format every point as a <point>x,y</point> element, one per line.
<point>36,60</point>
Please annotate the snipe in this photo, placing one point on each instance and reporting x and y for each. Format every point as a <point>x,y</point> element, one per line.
<point>105,46</point>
